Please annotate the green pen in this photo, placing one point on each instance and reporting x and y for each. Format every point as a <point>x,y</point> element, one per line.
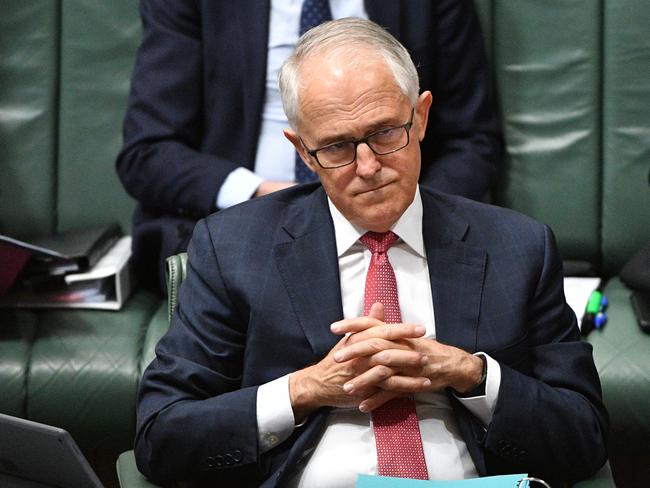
<point>593,305</point>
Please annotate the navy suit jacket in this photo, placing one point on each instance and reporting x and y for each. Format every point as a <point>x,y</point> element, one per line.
<point>262,288</point>
<point>197,96</point>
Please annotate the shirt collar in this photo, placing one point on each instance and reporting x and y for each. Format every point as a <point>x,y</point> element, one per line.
<point>408,227</point>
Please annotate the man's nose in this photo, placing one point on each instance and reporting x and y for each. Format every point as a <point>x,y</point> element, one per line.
<point>367,163</point>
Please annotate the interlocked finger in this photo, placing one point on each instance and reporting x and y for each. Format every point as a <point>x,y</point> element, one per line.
<point>386,378</point>
<point>371,378</point>
<point>398,358</point>
<point>368,347</point>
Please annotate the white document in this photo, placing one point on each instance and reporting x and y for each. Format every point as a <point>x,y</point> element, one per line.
<point>577,292</point>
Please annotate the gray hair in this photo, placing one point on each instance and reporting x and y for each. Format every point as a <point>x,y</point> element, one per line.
<point>342,36</point>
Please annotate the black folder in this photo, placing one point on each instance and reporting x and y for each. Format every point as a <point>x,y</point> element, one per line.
<point>67,252</point>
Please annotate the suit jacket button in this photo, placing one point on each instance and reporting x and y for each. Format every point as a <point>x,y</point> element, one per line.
<point>237,456</point>
<point>210,462</point>
<point>219,460</point>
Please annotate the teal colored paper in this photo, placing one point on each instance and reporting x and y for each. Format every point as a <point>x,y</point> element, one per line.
<point>504,481</point>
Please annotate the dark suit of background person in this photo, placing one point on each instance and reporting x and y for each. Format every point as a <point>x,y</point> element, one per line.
<point>197,95</point>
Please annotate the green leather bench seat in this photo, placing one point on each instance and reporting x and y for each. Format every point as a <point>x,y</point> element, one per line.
<point>622,351</point>
<point>622,356</point>
<point>572,86</point>
<point>64,72</point>
<point>79,370</point>
<point>17,332</point>
<point>89,361</point>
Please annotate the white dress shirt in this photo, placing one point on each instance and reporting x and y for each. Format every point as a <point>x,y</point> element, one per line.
<point>275,159</point>
<point>347,446</point>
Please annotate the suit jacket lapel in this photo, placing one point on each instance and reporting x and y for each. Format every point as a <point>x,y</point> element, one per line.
<point>457,273</point>
<point>308,265</point>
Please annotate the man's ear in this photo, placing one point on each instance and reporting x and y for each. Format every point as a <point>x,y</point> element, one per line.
<point>300,149</point>
<point>422,112</point>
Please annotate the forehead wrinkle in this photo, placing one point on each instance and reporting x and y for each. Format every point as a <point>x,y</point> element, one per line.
<point>342,105</point>
<point>333,122</point>
<point>334,73</point>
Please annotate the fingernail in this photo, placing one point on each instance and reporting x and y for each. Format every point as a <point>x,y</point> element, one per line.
<point>420,330</point>
<point>426,383</point>
<point>348,387</point>
<point>338,356</point>
<point>334,327</point>
<point>363,408</point>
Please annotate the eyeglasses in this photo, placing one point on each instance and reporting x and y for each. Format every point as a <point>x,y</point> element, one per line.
<point>382,142</point>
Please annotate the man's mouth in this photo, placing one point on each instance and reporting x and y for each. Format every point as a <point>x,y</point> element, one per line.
<point>373,188</point>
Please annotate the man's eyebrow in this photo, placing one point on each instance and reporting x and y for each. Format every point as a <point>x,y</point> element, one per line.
<point>384,123</point>
<point>374,127</point>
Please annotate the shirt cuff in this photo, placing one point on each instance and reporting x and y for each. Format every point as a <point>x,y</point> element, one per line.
<point>483,406</point>
<point>275,421</point>
<point>240,185</point>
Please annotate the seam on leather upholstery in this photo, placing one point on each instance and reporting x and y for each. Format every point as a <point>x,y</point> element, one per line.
<point>28,367</point>
<point>172,266</point>
<point>144,329</point>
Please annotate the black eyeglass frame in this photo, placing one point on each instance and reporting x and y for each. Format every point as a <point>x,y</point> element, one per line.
<point>314,152</point>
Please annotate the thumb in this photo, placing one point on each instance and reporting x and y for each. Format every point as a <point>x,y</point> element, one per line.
<point>377,311</point>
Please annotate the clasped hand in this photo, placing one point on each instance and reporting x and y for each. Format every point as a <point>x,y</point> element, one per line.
<point>375,362</point>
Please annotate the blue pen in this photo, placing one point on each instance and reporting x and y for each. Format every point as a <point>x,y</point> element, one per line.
<point>595,316</point>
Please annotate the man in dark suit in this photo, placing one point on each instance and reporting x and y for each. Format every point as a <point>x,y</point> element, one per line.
<point>202,97</point>
<point>271,371</point>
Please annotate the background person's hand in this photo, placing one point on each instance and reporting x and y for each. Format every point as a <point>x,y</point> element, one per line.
<point>267,187</point>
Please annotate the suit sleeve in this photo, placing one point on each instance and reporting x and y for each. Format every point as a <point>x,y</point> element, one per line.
<point>194,418</point>
<point>549,418</point>
<point>463,148</point>
<point>161,164</point>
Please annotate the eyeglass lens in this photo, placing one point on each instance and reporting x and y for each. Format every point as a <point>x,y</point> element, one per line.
<point>383,142</point>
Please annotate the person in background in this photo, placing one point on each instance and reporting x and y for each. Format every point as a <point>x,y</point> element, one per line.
<point>203,128</point>
<point>367,324</point>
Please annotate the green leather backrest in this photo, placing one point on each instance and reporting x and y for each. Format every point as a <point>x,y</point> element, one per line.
<point>65,67</point>
<point>98,43</point>
<point>29,33</point>
<point>546,59</point>
<point>570,79</point>
<point>572,85</point>
<point>626,131</point>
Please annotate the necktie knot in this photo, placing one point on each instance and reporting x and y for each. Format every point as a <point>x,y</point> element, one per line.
<point>378,242</point>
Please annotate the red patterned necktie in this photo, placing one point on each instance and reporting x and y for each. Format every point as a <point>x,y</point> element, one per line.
<point>397,432</point>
